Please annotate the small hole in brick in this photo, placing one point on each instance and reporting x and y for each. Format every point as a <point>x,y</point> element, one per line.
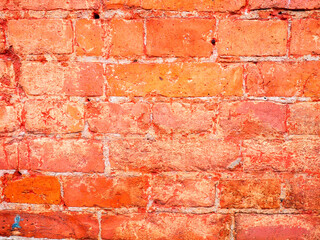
<point>135,60</point>
<point>161,79</point>
<point>213,41</point>
<point>280,12</point>
<point>96,16</point>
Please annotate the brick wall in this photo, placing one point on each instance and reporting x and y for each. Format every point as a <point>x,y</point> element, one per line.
<point>149,119</point>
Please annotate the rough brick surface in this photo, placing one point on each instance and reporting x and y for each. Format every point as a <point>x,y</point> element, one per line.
<point>160,119</point>
<point>166,226</point>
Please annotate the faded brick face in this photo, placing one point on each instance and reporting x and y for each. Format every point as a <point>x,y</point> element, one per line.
<point>160,119</point>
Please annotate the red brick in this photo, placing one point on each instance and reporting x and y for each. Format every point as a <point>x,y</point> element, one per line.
<point>305,37</point>
<point>192,153</point>
<point>304,118</point>
<point>122,118</point>
<point>40,36</point>
<point>180,37</point>
<point>51,224</point>
<point>51,5</point>
<point>284,79</point>
<point>175,79</point>
<point>296,154</point>
<point>302,192</point>
<point>53,116</point>
<point>194,5</point>
<point>8,154</point>
<point>8,118</point>
<point>293,4</point>
<point>66,155</point>
<point>7,77</point>
<point>67,78</point>
<point>127,37</point>
<point>280,227</point>
<point>107,192</point>
<point>121,3</point>
<point>2,38</point>
<point>184,117</point>
<point>250,193</point>
<point>39,189</point>
<point>89,37</point>
<point>249,38</point>
<point>183,190</point>
<point>252,119</point>
<point>166,226</point>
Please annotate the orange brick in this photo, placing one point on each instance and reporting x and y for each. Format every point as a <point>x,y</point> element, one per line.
<point>277,226</point>
<point>194,5</point>
<point>284,79</point>
<point>302,192</point>
<point>124,118</point>
<point>182,190</point>
<point>8,154</point>
<point>293,4</point>
<point>67,78</point>
<point>107,192</point>
<point>38,190</point>
<point>7,77</point>
<point>192,153</point>
<point>127,37</point>
<point>52,5</point>
<point>249,38</point>
<point>166,226</point>
<point>52,116</point>
<point>180,37</point>
<point>65,155</point>
<point>250,193</point>
<point>121,3</point>
<point>298,154</point>
<point>305,37</point>
<point>252,119</point>
<point>40,36</point>
<point>175,79</point>
<point>89,37</point>
<point>304,119</point>
<point>184,117</point>
<point>51,224</point>
<point>8,118</point>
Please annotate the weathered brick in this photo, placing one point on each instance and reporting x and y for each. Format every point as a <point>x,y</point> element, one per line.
<point>8,154</point>
<point>107,192</point>
<point>51,5</point>
<point>175,79</point>
<point>65,155</point>
<point>89,37</point>
<point>122,118</point>
<point>293,4</point>
<point>38,189</point>
<point>8,118</point>
<point>40,36</point>
<point>183,190</point>
<point>283,79</point>
<point>166,226</point>
<point>184,117</point>
<point>192,153</point>
<point>57,225</point>
<point>298,154</point>
<point>2,38</point>
<point>302,192</point>
<point>250,193</point>
<point>281,227</point>
<point>304,118</point>
<point>180,37</point>
<point>7,76</point>
<point>305,37</point>
<point>251,119</point>
<point>53,116</point>
<point>249,38</point>
<point>66,78</point>
<point>127,37</point>
<point>121,3</point>
<point>194,5</point>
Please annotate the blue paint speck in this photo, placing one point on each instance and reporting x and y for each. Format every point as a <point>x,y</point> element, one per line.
<point>16,224</point>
